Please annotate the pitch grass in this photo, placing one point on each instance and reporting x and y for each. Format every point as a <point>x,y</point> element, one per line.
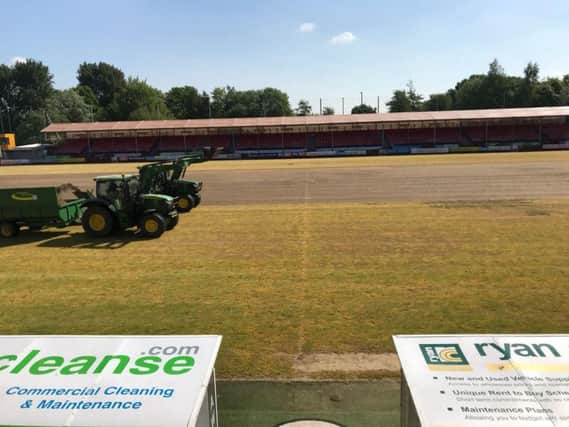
<point>334,162</point>
<point>278,281</point>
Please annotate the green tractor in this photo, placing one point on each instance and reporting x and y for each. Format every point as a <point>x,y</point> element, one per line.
<point>168,178</point>
<point>119,204</point>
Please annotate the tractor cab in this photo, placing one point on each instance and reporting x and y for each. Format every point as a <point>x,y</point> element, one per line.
<point>120,204</point>
<point>119,190</point>
<point>169,178</point>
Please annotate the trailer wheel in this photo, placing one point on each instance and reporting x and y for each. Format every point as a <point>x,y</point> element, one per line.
<point>152,225</point>
<point>185,204</point>
<point>172,222</point>
<point>8,229</point>
<point>97,221</point>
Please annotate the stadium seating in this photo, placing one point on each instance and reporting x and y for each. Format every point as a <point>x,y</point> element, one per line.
<point>70,147</point>
<point>357,139</point>
<point>474,135</point>
<point>325,140</point>
<point>419,138</point>
<point>448,136</point>
<point>295,140</point>
<point>270,141</point>
<point>171,144</point>
<point>397,136</point>
<point>556,133</point>
<point>105,145</point>
<point>224,141</point>
<point>422,136</point>
<point>247,142</point>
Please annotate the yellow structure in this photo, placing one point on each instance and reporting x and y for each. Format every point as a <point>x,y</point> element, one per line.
<point>7,141</point>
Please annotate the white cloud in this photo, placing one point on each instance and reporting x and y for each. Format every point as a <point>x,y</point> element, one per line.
<point>343,38</point>
<point>307,27</point>
<point>15,59</point>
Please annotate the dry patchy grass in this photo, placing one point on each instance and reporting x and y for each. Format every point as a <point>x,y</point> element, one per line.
<point>277,281</point>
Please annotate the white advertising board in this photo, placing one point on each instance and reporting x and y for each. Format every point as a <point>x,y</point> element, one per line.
<point>487,380</point>
<point>105,381</point>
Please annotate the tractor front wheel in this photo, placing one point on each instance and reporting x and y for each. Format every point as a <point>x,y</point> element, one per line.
<point>172,222</point>
<point>152,225</point>
<point>8,229</point>
<point>185,204</point>
<point>197,200</point>
<point>97,221</point>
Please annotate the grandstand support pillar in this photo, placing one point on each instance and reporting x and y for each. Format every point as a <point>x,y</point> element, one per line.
<point>486,134</point>
<point>435,134</point>
<point>136,143</point>
<point>185,145</point>
<point>383,137</point>
<point>540,133</point>
<point>332,138</point>
<point>88,142</point>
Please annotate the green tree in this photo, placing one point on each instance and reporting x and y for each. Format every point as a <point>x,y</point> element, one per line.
<point>187,103</point>
<point>328,111</point>
<point>363,109</point>
<point>526,96</point>
<point>140,101</point>
<point>303,108</point>
<point>66,106</point>
<point>6,94</point>
<point>550,93</point>
<point>274,102</point>
<point>467,93</point>
<point>399,102</point>
<point>229,102</point>
<point>32,85</point>
<point>439,102</point>
<point>107,83</point>
<point>406,100</point>
<point>62,106</point>
<point>218,101</point>
<point>90,99</point>
<point>415,99</point>
<point>24,87</point>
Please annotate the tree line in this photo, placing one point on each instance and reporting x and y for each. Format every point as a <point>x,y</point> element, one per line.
<point>29,101</point>
<point>495,89</point>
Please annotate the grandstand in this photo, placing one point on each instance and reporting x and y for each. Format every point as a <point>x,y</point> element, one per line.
<point>391,133</point>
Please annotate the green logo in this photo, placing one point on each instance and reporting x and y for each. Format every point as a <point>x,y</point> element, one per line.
<point>443,354</point>
<point>35,363</point>
<point>24,196</point>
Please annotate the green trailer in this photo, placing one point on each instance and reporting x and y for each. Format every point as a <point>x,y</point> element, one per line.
<point>37,208</point>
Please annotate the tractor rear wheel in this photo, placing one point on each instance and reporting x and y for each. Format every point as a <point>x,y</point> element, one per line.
<point>8,229</point>
<point>185,203</point>
<point>97,221</point>
<point>197,200</point>
<point>152,225</point>
<point>172,222</point>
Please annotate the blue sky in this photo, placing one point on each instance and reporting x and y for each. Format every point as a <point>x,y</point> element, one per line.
<point>253,44</point>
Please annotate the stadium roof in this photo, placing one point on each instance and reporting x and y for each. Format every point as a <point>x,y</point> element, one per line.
<point>295,121</point>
